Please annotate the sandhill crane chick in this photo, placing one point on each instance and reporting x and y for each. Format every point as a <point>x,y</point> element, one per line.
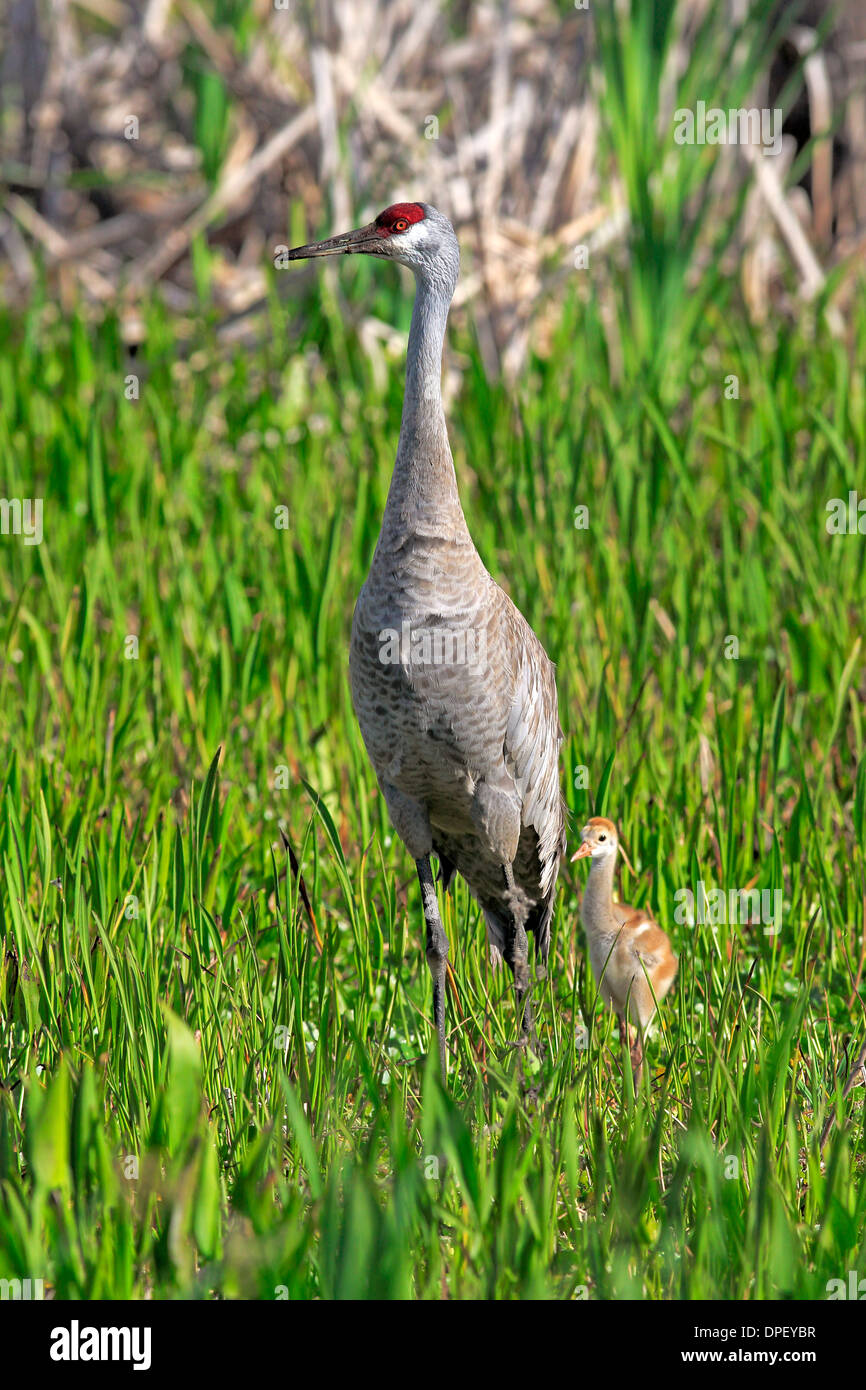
<point>631,956</point>
<point>454,693</point>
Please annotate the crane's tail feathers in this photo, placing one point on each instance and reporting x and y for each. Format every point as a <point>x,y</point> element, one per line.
<point>539,924</point>
<point>447,869</point>
<point>541,915</point>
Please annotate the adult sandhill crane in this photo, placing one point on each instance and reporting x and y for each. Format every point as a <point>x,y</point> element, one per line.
<point>631,956</point>
<point>453,691</point>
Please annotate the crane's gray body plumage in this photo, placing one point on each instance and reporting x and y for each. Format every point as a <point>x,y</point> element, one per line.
<point>466,754</point>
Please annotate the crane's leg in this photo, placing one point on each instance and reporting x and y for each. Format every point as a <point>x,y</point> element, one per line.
<point>437,951</point>
<point>517,956</point>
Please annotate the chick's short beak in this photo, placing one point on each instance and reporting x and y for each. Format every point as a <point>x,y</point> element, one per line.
<point>585,852</point>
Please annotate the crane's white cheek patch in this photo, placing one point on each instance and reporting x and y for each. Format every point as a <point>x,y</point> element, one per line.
<point>416,235</point>
<point>415,238</point>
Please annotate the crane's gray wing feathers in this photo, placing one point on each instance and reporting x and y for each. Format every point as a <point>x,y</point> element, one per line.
<point>533,738</point>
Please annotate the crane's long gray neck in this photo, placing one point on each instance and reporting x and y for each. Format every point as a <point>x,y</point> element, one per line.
<point>598,894</point>
<point>423,496</point>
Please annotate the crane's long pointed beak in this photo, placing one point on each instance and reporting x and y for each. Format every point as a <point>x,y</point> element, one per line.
<point>583,853</point>
<point>348,243</point>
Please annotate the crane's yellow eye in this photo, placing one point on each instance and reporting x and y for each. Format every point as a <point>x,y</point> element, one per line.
<point>401,224</point>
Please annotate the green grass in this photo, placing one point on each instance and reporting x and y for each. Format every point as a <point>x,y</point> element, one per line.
<point>213,1081</point>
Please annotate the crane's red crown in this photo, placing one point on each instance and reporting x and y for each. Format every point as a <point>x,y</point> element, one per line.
<point>399,217</point>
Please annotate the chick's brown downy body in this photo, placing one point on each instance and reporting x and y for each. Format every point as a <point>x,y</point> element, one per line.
<point>631,956</point>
